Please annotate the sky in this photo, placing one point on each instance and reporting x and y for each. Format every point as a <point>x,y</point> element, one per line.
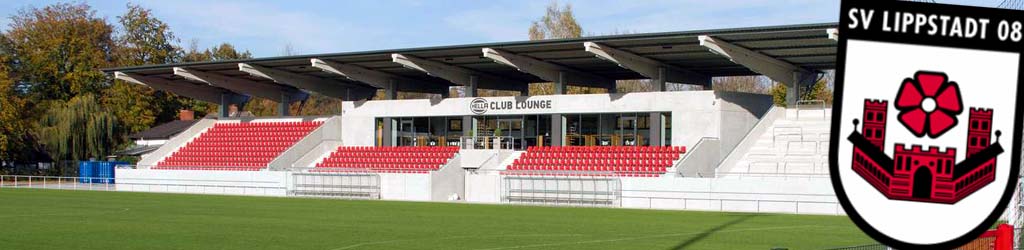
<point>325,26</point>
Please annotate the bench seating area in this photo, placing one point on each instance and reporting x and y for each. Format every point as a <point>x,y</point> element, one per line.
<point>238,146</point>
<point>624,161</point>
<point>418,160</point>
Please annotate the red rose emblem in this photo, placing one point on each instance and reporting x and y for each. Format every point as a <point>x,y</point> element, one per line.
<point>929,104</point>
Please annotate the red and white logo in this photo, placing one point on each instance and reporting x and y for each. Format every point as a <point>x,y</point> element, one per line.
<point>928,105</point>
<point>925,147</point>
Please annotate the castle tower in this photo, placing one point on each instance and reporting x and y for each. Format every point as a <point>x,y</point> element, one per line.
<point>874,121</point>
<point>979,130</point>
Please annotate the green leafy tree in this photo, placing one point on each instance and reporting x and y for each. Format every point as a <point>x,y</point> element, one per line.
<point>818,91</point>
<point>59,49</point>
<point>142,40</point>
<point>79,130</point>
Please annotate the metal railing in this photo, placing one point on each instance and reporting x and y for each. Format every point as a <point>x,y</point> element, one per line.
<point>138,185</point>
<point>339,185</point>
<point>824,112</point>
<point>491,142</point>
<point>562,190</point>
<point>737,205</point>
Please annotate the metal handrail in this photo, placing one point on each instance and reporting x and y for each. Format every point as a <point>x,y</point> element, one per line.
<point>822,102</point>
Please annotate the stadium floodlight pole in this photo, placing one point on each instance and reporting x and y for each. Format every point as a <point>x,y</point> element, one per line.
<point>650,68</point>
<point>833,34</point>
<point>777,70</point>
<point>378,79</point>
<point>458,75</point>
<point>323,86</point>
<point>546,70</point>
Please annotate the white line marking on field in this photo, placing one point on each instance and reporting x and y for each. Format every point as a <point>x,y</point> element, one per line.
<point>453,238</point>
<point>645,237</point>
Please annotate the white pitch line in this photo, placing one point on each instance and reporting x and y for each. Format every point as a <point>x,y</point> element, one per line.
<point>644,237</point>
<point>454,237</point>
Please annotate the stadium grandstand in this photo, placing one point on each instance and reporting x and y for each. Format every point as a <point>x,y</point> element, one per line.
<point>701,150</point>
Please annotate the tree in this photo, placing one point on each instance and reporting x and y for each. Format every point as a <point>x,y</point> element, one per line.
<point>79,130</point>
<point>818,91</point>
<point>142,40</point>
<point>14,129</point>
<point>224,51</point>
<point>558,22</point>
<point>58,50</point>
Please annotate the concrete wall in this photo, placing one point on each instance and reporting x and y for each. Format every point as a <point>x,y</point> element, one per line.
<point>175,142</point>
<point>405,187</point>
<point>329,131</point>
<point>740,112</point>
<point>809,196</point>
<point>450,179</point>
<point>702,159</point>
<point>730,158</point>
<point>483,188</point>
<point>262,183</point>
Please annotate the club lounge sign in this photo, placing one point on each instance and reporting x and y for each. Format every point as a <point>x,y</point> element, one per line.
<point>482,106</point>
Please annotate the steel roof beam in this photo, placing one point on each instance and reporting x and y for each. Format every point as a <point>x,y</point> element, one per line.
<point>263,90</point>
<point>378,79</point>
<point>345,91</point>
<point>546,70</point>
<point>647,67</point>
<point>458,75</point>
<point>204,93</point>
<point>778,70</point>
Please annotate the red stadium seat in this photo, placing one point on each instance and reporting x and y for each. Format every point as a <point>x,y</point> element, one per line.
<point>416,160</point>
<point>626,161</point>
<point>238,146</point>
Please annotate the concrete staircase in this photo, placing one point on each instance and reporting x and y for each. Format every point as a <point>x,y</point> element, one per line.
<point>793,146</point>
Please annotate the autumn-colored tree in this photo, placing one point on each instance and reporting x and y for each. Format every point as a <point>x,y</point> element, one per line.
<point>14,129</point>
<point>558,22</point>
<point>142,40</point>
<point>59,49</point>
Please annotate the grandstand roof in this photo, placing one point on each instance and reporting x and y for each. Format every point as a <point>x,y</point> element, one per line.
<point>807,46</point>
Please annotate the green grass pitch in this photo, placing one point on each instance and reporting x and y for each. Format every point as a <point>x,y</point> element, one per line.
<point>56,219</point>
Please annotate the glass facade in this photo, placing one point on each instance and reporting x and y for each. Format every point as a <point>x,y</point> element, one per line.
<point>522,131</point>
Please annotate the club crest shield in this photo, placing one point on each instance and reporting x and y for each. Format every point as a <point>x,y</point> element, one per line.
<point>927,119</point>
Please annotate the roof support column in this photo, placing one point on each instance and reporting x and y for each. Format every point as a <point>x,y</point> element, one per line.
<point>391,90</point>
<point>658,83</point>
<point>387,133</point>
<point>656,129</point>
<point>282,106</point>
<point>472,87</point>
<point>225,101</point>
<point>557,130</point>
<point>561,84</point>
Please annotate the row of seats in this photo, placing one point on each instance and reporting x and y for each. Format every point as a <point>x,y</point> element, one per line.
<point>414,149</point>
<point>626,161</point>
<point>209,168</point>
<point>609,149</point>
<point>595,155</point>
<point>386,159</point>
<point>238,145</point>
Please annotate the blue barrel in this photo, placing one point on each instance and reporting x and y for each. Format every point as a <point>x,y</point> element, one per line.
<point>85,171</point>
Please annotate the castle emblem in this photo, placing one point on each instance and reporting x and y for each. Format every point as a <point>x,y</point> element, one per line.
<point>928,106</point>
